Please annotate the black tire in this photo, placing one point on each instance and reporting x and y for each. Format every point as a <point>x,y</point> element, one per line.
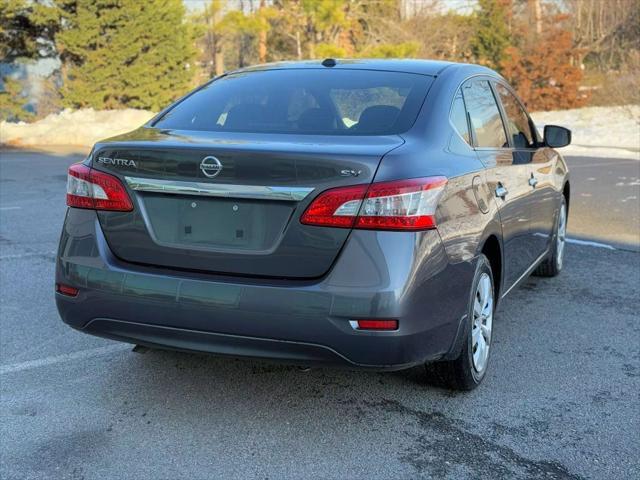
<point>460,373</point>
<point>552,265</point>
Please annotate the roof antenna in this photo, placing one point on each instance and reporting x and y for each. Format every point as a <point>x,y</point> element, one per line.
<point>329,62</point>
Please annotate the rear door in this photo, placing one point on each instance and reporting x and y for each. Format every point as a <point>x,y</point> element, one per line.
<point>220,181</point>
<point>523,140</point>
<point>507,175</point>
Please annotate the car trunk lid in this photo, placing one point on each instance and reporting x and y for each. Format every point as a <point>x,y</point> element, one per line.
<point>230,204</point>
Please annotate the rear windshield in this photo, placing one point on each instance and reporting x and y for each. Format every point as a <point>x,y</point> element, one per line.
<point>310,102</point>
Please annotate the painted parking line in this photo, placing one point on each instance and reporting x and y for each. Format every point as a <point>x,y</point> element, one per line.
<point>590,243</point>
<point>67,357</point>
<point>26,255</point>
<point>10,208</point>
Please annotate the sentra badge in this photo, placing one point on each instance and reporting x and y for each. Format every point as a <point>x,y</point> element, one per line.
<point>120,162</point>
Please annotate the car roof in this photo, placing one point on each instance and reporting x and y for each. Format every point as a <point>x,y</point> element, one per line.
<point>423,67</point>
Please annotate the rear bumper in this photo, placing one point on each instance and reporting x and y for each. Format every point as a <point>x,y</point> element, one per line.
<point>405,276</point>
<point>182,339</point>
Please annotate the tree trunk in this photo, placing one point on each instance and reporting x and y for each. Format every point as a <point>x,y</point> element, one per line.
<point>219,63</point>
<point>312,50</point>
<point>537,14</point>
<point>241,51</point>
<point>262,46</point>
<point>212,49</point>
<point>262,39</point>
<point>298,45</point>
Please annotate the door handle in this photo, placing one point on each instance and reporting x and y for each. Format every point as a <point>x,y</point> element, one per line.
<point>501,192</point>
<point>533,181</point>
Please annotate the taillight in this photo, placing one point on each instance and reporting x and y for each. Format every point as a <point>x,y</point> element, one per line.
<point>398,205</point>
<point>89,188</point>
<point>337,207</point>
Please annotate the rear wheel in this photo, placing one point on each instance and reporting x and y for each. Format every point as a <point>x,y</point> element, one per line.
<point>552,265</point>
<point>467,371</point>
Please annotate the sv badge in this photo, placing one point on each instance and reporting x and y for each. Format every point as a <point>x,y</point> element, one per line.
<point>350,173</point>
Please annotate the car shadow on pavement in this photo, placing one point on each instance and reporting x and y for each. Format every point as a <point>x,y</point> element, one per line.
<point>427,429</point>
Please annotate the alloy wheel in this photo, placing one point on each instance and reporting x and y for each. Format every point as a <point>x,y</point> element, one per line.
<point>482,323</point>
<point>561,236</point>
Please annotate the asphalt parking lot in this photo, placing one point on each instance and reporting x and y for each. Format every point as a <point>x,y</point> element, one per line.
<point>561,399</point>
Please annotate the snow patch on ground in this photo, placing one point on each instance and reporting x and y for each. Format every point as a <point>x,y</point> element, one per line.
<point>612,132</point>
<point>78,128</point>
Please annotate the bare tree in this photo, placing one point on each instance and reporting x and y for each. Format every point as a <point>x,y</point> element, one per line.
<point>211,16</point>
<point>605,30</point>
<point>536,8</point>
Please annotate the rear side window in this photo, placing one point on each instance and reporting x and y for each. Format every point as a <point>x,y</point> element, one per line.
<point>309,101</point>
<point>517,120</point>
<point>484,115</point>
<point>459,117</point>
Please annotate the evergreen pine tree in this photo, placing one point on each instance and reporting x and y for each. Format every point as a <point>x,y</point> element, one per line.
<point>492,36</point>
<point>12,102</point>
<point>27,29</point>
<point>121,53</point>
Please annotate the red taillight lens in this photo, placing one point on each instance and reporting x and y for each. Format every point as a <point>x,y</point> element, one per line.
<point>398,205</point>
<point>337,207</point>
<point>89,188</point>
<point>376,324</point>
<point>66,290</point>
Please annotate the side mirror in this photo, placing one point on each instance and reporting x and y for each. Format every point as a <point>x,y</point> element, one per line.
<point>556,137</point>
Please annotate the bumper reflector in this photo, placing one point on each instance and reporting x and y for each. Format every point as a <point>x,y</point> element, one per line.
<point>374,324</point>
<point>66,290</point>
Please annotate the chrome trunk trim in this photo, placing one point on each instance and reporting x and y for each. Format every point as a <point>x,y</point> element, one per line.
<point>257,192</point>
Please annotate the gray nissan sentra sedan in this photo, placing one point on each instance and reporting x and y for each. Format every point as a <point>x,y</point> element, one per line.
<point>364,213</point>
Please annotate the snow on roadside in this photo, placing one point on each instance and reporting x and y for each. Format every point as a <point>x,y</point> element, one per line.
<point>612,132</point>
<point>73,128</point>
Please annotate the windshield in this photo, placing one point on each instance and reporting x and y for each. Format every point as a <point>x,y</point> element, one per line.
<point>309,102</point>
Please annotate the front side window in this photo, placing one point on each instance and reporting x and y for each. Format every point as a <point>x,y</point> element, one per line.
<point>309,101</point>
<point>484,115</point>
<point>517,120</point>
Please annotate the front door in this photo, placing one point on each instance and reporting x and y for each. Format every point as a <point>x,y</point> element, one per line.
<point>542,196</point>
